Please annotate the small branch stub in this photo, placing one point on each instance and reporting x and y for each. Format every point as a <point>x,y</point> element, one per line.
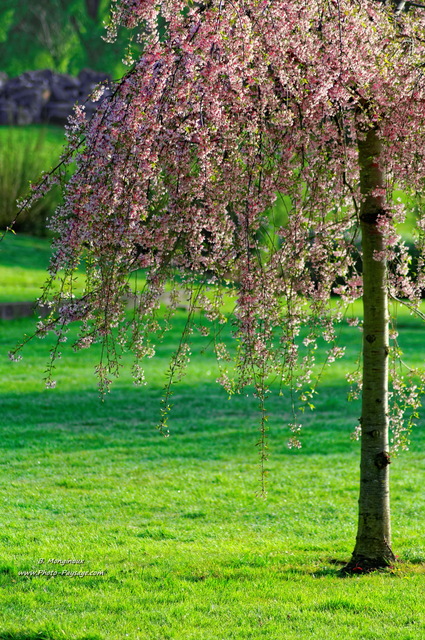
<point>371,217</point>
<point>382,460</point>
<point>374,434</point>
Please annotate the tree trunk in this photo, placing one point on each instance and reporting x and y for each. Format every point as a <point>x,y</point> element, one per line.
<point>92,7</point>
<point>373,542</point>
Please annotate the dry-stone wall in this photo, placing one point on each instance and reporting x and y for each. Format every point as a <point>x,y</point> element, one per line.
<point>46,96</point>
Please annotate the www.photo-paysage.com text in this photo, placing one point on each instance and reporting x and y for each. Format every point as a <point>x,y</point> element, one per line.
<point>63,572</point>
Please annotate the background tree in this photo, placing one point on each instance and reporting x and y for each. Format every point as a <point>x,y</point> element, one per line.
<point>319,104</point>
<point>63,36</point>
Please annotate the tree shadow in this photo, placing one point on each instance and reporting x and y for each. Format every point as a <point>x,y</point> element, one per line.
<point>320,572</point>
<point>40,635</point>
<point>202,417</point>
<point>25,635</point>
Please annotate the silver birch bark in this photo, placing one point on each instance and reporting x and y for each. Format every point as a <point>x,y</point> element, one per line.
<point>373,542</point>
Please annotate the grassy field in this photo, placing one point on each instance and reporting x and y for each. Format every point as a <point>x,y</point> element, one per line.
<point>185,548</point>
<point>23,263</point>
<point>26,152</point>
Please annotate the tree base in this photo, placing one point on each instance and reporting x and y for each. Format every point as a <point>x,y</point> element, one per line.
<point>361,564</point>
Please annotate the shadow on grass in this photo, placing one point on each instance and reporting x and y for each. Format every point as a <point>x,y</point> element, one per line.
<point>25,252</point>
<point>40,635</point>
<point>202,418</point>
<point>333,572</point>
<point>25,635</point>
<point>319,572</point>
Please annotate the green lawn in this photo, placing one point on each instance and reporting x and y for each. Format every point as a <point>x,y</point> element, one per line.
<point>26,152</point>
<point>23,263</point>
<point>187,549</point>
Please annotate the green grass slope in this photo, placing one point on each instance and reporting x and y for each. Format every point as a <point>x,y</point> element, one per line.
<point>185,548</point>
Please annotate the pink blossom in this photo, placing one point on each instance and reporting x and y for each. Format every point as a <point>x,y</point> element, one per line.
<point>226,164</point>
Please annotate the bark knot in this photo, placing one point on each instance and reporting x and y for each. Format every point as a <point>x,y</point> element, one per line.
<point>371,217</point>
<point>382,460</point>
<point>374,434</point>
<point>370,338</point>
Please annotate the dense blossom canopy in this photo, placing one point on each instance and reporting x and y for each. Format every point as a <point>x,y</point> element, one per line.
<point>228,157</point>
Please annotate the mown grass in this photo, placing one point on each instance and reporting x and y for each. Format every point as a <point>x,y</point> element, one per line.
<point>26,152</point>
<point>23,267</point>
<point>189,550</point>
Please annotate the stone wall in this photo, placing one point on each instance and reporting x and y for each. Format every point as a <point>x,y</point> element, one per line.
<point>12,310</point>
<point>46,97</point>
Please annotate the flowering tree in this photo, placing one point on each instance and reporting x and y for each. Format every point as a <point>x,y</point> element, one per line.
<point>233,107</point>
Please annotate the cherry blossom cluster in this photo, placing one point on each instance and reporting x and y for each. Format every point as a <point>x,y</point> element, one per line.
<point>227,154</point>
